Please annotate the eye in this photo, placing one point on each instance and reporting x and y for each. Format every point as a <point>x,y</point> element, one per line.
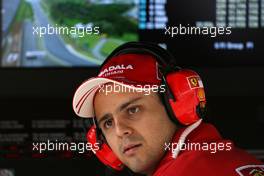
<point>133,110</point>
<point>108,123</point>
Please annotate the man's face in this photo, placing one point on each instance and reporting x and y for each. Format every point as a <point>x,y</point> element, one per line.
<point>136,127</point>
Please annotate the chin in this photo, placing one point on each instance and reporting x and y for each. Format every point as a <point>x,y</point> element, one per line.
<point>137,166</point>
<point>138,170</point>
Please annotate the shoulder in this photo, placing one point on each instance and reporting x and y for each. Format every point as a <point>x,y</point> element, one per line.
<point>206,163</point>
<point>205,152</point>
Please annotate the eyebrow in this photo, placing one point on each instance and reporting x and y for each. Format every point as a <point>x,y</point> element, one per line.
<point>120,108</point>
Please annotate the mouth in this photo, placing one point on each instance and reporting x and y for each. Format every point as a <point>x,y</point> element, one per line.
<point>130,150</point>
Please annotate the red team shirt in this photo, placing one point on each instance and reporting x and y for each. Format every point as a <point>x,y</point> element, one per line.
<point>226,161</point>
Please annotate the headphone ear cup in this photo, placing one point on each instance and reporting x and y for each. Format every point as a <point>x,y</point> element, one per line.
<point>103,152</point>
<point>187,89</point>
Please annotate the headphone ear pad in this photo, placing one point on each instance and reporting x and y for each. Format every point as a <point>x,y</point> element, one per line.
<point>187,89</point>
<point>103,152</point>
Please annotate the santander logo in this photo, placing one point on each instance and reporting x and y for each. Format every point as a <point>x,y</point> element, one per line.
<point>115,69</point>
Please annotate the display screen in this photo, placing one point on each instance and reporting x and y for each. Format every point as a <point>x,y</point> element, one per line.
<point>68,33</point>
<point>64,33</point>
<point>206,33</point>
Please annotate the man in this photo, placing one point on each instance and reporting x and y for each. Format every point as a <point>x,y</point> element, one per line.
<point>151,118</point>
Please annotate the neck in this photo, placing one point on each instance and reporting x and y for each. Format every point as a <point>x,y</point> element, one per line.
<point>150,172</point>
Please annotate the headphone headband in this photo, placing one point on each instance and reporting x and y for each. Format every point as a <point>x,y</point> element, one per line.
<point>164,58</point>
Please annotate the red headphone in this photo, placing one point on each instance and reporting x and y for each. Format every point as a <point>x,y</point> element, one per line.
<point>184,98</point>
<point>104,154</point>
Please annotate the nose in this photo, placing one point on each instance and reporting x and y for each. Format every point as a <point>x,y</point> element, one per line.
<point>122,128</point>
